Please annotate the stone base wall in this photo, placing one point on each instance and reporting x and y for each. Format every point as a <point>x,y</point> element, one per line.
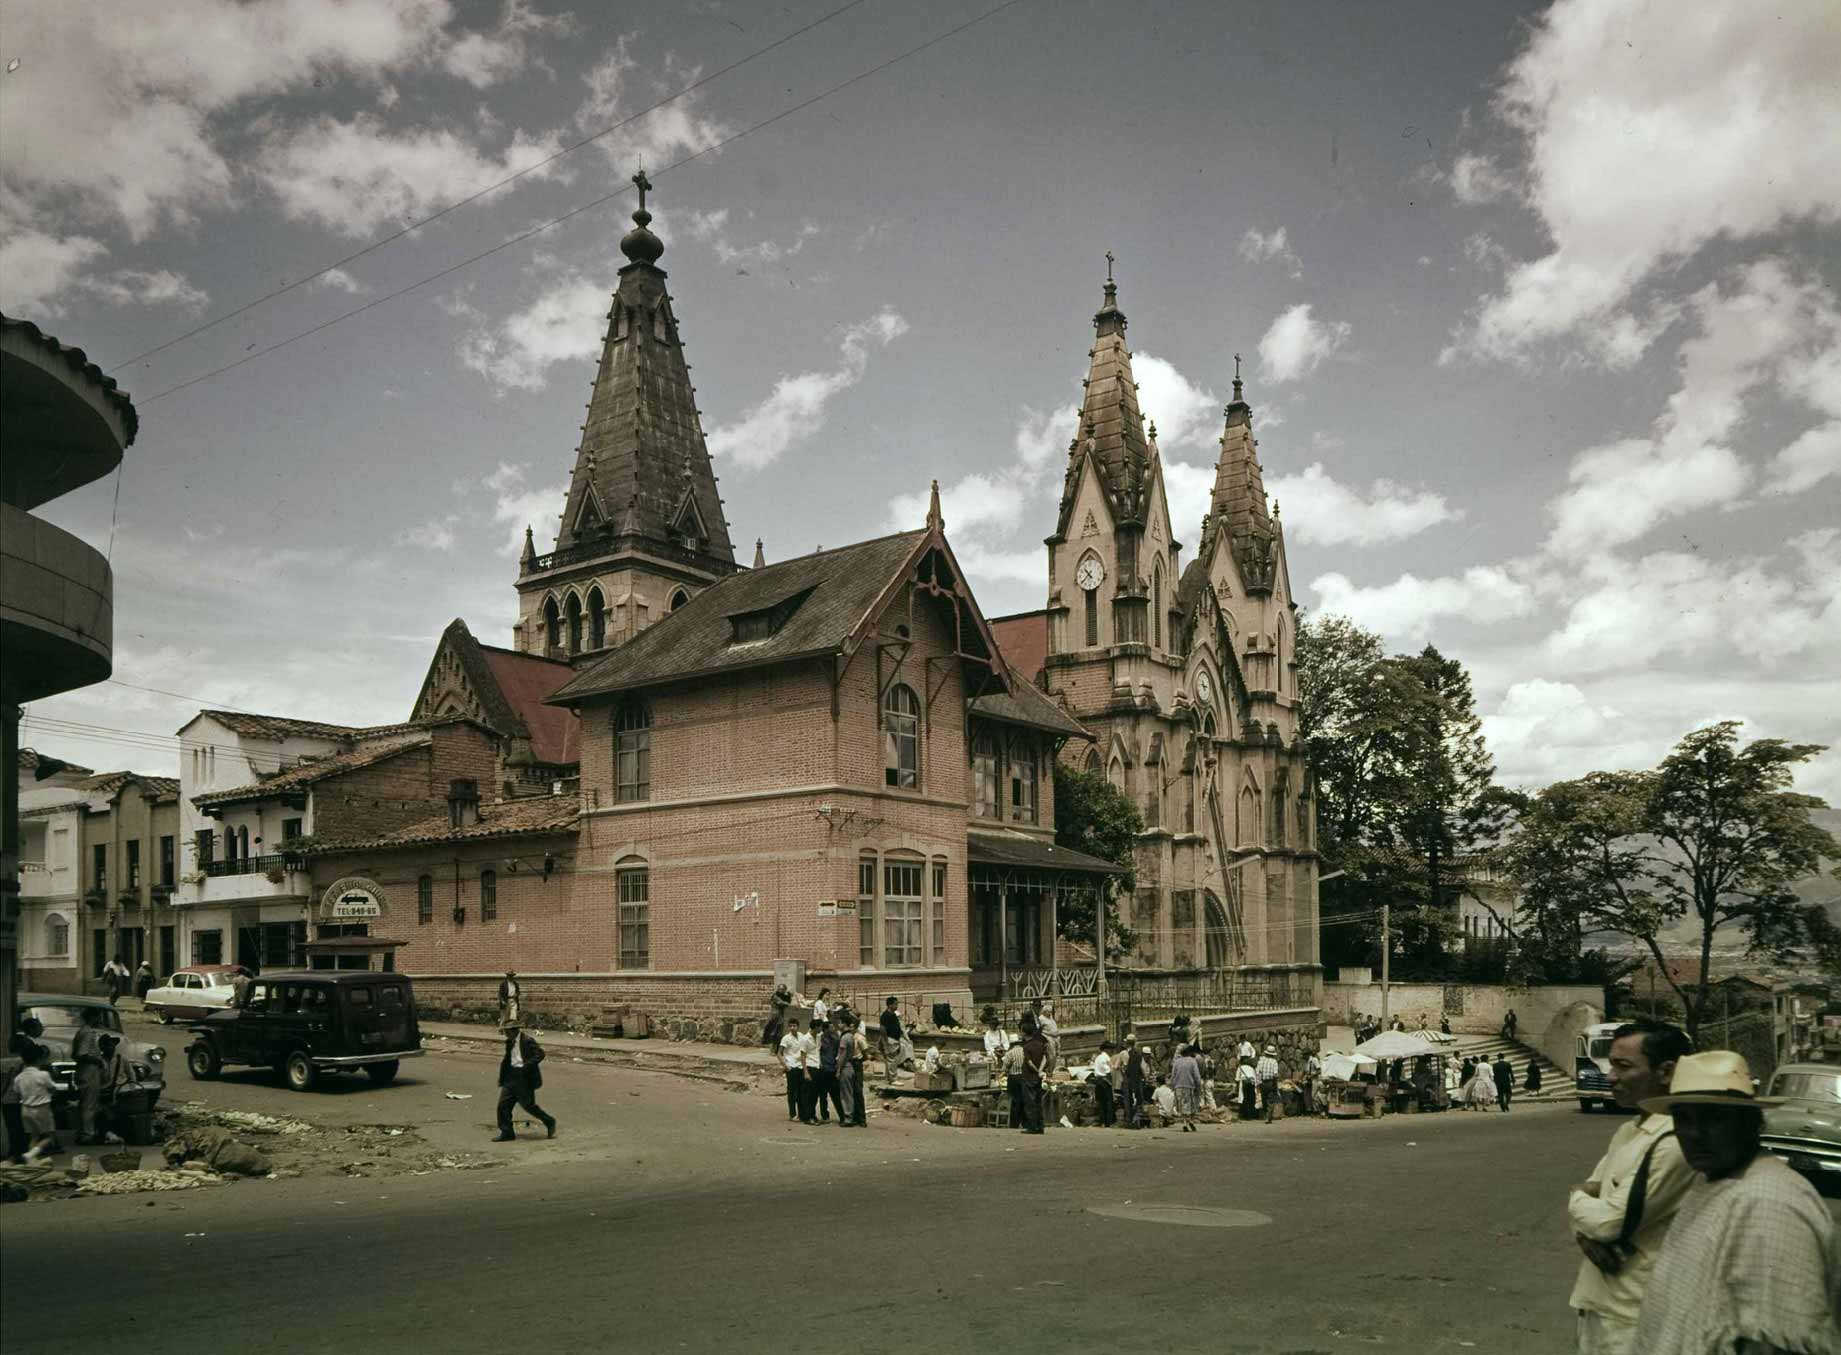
<point>727,1008</point>
<point>1295,1033</point>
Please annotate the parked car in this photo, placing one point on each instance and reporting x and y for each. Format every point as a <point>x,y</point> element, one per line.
<point>306,1023</point>
<point>61,1014</point>
<point>1806,1129</point>
<point>193,992</point>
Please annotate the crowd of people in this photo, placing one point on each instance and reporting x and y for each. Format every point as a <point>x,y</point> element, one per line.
<point>27,1100</point>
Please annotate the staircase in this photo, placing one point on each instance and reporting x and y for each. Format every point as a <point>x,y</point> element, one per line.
<point>1556,1083</point>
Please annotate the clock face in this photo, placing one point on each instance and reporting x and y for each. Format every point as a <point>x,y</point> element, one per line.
<point>1203,687</point>
<point>1090,574</point>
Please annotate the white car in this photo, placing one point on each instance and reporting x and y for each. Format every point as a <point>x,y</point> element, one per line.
<point>194,992</point>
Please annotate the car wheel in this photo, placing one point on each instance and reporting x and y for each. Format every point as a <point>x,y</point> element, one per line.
<point>301,1073</point>
<point>382,1074</point>
<point>202,1062</point>
<point>166,1018</point>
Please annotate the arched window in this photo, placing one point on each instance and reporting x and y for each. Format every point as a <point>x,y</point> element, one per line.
<point>572,611</point>
<point>243,843</point>
<point>57,934</point>
<point>1115,773</point>
<point>1022,779</point>
<point>1280,788</point>
<point>597,619</point>
<point>552,627</point>
<point>1092,764</point>
<point>678,599</point>
<point>1157,604</point>
<point>901,738</point>
<point>425,899</point>
<point>984,776</point>
<point>633,888</point>
<point>633,751</point>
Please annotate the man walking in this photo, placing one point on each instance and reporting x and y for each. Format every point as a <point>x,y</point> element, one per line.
<point>798,1056</point>
<point>519,1078</point>
<point>1246,1084</point>
<point>1750,1262</point>
<point>1267,1071</point>
<point>117,975</point>
<point>1134,1087</point>
<point>1505,1081</point>
<point>1621,1212</point>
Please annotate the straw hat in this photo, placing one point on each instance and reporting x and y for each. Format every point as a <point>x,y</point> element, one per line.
<point>1718,1077</point>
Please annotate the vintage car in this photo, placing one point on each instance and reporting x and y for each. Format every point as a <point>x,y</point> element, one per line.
<point>306,1023</point>
<point>61,1014</point>
<point>193,992</point>
<point>1805,1130</point>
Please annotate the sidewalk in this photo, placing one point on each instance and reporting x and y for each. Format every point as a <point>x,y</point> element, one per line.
<point>686,1058</point>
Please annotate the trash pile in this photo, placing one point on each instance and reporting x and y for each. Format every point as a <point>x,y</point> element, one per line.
<point>129,1183</point>
<point>215,1150</point>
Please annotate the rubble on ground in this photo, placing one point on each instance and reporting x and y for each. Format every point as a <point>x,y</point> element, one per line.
<point>129,1183</point>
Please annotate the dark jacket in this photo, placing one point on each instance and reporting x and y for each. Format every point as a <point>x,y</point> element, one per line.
<point>532,1054</point>
<point>1505,1076</point>
<point>506,989</point>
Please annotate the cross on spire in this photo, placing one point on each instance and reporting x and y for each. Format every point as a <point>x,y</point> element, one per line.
<point>1236,366</point>
<point>1109,263</point>
<point>643,184</point>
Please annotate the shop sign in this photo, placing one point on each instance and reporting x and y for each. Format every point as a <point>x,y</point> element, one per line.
<point>353,899</point>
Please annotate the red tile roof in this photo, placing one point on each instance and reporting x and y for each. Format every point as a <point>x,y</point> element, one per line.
<point>306,773</point>
<point>277,726</point>
<point>1024,641</point>
<point>526,679</point>
<point>497,818</point>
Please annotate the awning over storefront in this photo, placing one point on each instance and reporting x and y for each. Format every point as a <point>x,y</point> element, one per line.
<point>1027,853</point>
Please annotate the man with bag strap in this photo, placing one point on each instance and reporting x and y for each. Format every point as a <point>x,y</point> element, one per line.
<point>1621,1212</point>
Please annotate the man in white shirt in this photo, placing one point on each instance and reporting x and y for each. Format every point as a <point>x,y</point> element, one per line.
<point>1618,1226</point>
<point>1101,1080</point>
<point>1045,1022</point>
<point>1164,1098</point>
<point>1313,1070</point>
<point>799,1056</point>
<point>1246,1050</point>
<point>1246,1088</point>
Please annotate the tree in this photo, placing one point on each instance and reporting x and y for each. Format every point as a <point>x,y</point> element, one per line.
<point>1094,816</point>
<point>1714,836</point>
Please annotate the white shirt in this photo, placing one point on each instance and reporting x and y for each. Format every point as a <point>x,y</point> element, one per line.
<point>798,1051</point>
<point>1102,1064</point>
<point>1246,1050</point>
<point>821,1011</point>
<point>1165,1099</point>
<point>515,1051</point>
<point>1049,1029</point>
<point>996,1043</point>
<point>1601,1216</point>
<point>1245,1073</point>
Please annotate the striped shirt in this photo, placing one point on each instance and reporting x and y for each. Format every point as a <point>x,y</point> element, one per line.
<point>1267,1068</point>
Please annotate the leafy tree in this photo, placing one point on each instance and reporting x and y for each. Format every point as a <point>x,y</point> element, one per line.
<point>1094,816</point>
<point>1714,835</point>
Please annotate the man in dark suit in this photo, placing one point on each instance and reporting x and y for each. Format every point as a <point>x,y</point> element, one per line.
<point>520,1075</point>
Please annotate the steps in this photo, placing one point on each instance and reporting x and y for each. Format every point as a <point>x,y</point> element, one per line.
<point>1556,1083</point>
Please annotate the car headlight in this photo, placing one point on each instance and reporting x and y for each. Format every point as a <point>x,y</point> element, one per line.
<point>156,1054</point>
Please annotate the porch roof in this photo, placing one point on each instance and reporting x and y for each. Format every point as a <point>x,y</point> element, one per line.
<point>1017,851</point>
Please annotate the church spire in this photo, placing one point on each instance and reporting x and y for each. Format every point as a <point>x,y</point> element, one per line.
<point>642,468</point>
<point>1111,425</point>
<point>1238,504</point>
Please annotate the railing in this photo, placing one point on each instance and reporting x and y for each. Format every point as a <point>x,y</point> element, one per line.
<point>247,865</point>
<point>1076,981</point>
<point>608,544</point>
<point>1217,990</point>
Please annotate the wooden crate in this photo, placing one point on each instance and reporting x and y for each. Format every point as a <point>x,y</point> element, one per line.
<point>967,1116</point>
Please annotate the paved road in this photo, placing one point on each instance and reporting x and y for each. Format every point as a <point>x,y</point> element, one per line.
<point>679,1215</point>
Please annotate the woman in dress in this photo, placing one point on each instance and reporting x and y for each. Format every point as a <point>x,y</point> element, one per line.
<point>1482,1093</point>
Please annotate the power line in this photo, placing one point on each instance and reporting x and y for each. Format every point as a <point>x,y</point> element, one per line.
<point>573,212</point>
<point>455,206</point>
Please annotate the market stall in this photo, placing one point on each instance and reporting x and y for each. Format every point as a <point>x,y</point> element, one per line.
<point>1411,1067</point>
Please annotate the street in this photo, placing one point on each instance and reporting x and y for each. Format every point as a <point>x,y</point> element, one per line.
<point>681,1214</point>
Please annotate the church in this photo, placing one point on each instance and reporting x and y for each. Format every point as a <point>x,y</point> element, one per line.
<point>834,770</point>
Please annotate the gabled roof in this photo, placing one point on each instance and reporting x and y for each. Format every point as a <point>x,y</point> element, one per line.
<point>1024,705</point>
<point>497,818</point>
<point>29,759</point>
<point>108,783</point>
<point>275,727</point>
<point>307,773</point>
<point>1023,637</point>
<point>1019,851</point>
<point>525,681</point>
<point>841,587</point>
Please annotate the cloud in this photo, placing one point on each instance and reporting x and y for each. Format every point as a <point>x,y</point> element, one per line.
<point>1043,435</point>
<point>1616,493</point>
<point>128,286</point>
<point>710,227</point>
<point>517,505</point>
<point>1295,343</point>
<point>1405,610</point>
<point>339,280</point>
<point>1806,462</point>
<point>35,266</point>
<point>796,407</point>
<point>1475,179</point>
<point>1326,512</point>
<point>436,534</point>
<point>661,136</point>
<point>483,59</point>
<point>1186,414</point>
<point>566,322</point>
<point>1645,138</point>
<point>1257,248</point>
<point>1544,731</point>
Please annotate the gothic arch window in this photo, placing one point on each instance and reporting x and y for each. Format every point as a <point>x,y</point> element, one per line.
<point>1157,603</point>
<point>1193,763</point>
<point>552,627</point>
<point>984,776</point>
<point>1115,773</point>
<point>597,619</point>
<point>633,751</point>
<point>1208,724</point>
<point>1092,767</point>
<point>572,613</point>
<point>1090,602</point>
<point>901,738</point>
<point>678,599</point>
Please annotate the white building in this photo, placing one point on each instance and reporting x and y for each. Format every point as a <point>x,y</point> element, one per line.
<point>50,874</point>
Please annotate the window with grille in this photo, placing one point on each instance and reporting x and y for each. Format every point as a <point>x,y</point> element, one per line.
<point>133,870</point>
<point>937,907</point>
<point>901,913</point>
<point>100,861</point>
<point>57,932</point>
<point>1022,780</point>
<point>901,738</point>
<point>984,777</point>
<point>425,899</point>
<point>204,843</point>
<point>633,751</point>
<point>1092,597</point>
<point>488,896</point>
<point>635,896</point>
<point>866,911</point>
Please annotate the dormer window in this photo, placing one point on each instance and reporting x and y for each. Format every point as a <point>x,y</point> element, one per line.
<point>761,623</point>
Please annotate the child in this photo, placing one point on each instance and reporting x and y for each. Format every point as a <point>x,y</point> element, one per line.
<point>34,1085</point>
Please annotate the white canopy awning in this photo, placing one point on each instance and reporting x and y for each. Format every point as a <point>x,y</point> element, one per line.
<point>1397,1044</point>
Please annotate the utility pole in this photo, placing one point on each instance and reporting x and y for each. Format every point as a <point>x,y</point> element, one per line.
<point>1386,952</point>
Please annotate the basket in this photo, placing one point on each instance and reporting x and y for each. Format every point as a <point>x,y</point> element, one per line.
<point>119,1162</point>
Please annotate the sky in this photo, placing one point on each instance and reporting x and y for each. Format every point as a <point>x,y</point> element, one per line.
<point>1538,311</point>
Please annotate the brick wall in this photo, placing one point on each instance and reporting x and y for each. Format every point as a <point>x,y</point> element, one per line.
<point>404,789</point>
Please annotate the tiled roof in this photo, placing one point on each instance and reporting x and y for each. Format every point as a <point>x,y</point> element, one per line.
<point>1024,641</point>
<point>79,364</point>
<point>1031,853</point>
<point>835,590</point>
<point>525,680</point>
<point>497,818</point>
<point>305,774</point>
<point>1026,706</point>
<point>278,727</point>
<point>29,759</point>
<point>159,787</point>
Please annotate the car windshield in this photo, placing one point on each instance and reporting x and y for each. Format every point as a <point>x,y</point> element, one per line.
<point>1808,1086</point>
<point>67,1018</point>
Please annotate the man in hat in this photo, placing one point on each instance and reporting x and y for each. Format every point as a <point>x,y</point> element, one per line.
<point>519,1078</point>
<point>1621,1212</point>
<point>1267,1071</point>
<point>509,994</point>
<point>1750,1262</point>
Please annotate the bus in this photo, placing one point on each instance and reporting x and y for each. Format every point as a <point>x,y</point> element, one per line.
<point>1592,1066</point>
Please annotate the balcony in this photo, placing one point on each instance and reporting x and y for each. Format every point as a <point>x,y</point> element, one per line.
<point>246,879</point>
